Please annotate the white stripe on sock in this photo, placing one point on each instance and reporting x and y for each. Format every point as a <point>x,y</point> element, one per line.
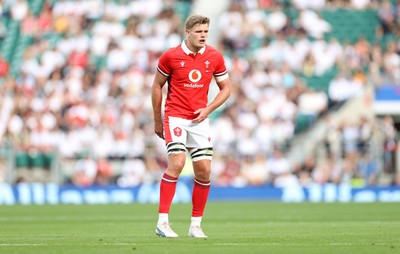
<point>204,184</point>
<point>169,180</point>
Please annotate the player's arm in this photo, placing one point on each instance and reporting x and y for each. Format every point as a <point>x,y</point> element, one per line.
<point>156,99</point>
<point>222,96</point>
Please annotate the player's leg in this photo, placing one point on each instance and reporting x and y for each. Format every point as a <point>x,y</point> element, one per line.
<point>167,192</point>
<point>175,137</point>
<point>201,189</point>
<point>168,183</point>
<point>201,154</point>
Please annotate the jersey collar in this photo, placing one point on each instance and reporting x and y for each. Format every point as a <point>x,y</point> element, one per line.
<point>188,51</point>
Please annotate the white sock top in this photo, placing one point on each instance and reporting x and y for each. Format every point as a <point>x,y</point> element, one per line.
<point>162,218</point>
<point>196,221</point>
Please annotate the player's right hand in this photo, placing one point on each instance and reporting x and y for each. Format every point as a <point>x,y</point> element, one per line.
<point>158,129</point>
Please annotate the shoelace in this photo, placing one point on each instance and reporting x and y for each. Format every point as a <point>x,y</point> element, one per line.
<point>167,226</point>
<point>198,230</point>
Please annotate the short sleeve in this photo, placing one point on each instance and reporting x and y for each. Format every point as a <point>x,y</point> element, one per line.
<point>163,64</point>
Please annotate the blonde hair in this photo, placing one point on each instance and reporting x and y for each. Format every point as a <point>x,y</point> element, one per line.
<point>193,20</point>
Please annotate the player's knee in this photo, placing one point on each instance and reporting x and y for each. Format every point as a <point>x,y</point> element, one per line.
<point>202,170</point>
<point>176,165</point>
<point>202,175</point>
<point>176,162</point>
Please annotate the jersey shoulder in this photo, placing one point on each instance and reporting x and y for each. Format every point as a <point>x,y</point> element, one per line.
<point>212,51</point>
<point>173,51</point>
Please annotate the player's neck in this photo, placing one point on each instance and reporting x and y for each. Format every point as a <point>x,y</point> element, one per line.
<point>192,48</point>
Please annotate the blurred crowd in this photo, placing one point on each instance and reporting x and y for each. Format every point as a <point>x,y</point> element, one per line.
<point>271,94</point>
<point>83,89</point>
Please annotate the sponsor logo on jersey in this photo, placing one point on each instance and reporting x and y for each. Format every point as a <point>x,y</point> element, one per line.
<point>193,85</point>
<point>194,75</point>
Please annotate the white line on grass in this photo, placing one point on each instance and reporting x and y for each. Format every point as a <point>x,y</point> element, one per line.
<point>62,244</point>
<point>72,218</point>
<point>302,244</point>
<point>215,244</point>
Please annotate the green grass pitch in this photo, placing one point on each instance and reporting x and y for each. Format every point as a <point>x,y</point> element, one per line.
<point>232,227</point>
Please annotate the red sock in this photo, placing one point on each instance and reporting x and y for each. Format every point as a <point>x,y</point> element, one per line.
<point>167,192</point>
<point>199,197</point>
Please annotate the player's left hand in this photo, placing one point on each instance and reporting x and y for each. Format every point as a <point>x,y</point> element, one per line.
<point>202,114</point>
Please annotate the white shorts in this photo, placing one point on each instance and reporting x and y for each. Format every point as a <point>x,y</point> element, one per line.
<point>181,133</point>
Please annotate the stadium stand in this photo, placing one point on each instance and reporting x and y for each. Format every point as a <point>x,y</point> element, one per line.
<point>80,73</point>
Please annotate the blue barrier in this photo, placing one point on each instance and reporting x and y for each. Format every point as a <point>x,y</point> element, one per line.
<point>37,193</point>
<point>387,93</point>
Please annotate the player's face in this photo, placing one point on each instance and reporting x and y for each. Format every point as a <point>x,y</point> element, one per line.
<point>197,37</point>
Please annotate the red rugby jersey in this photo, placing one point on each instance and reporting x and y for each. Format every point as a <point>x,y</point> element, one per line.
<point>189,78</point>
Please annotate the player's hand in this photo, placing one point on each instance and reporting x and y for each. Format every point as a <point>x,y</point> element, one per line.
<point>158,129</point>
<point>202,114</point>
